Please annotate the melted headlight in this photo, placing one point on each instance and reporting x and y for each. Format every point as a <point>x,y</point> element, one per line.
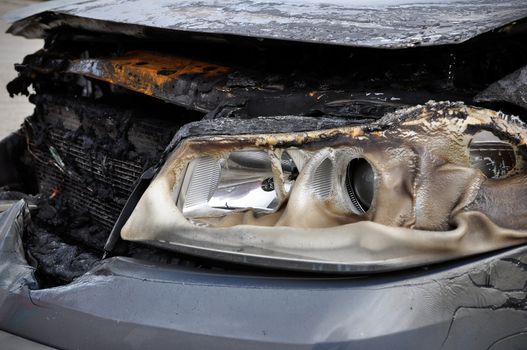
<point>409,190</point>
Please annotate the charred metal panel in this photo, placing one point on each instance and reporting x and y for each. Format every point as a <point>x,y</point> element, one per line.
<point>511,89</point>
<point>183,81</point>
<point>219,90</point>
<point>308,80</point>
<point>380,23</point>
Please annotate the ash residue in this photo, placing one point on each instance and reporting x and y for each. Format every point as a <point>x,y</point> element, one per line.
<point>100,130</point>
<point>57,262</point>
<point>62,243</point>
<point>74,225</point>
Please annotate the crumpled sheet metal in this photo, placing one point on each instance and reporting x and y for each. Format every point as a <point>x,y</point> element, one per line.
<point>166,77</point>
<point>380,23</point>
<point>223,89</point>
<point>15,272</point>
<point>425,185</point>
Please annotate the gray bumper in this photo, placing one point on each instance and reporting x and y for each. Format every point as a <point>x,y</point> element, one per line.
<point>10,341</point>
<point>129,304</point>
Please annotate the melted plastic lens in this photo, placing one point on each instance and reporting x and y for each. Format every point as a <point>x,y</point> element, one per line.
<point>494,157</point>
<point>407,192</point>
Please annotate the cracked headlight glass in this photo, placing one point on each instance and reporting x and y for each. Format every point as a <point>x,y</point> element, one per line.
<point>424,185</point>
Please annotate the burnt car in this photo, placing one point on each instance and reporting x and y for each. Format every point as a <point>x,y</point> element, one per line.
<point>252,174</point>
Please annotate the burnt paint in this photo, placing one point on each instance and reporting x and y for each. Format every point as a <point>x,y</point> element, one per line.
<point>380,23</point>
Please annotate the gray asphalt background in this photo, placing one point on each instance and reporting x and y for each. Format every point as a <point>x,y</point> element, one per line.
<point>12,50</point>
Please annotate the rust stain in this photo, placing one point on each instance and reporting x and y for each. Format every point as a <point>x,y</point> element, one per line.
<point>144,71</point>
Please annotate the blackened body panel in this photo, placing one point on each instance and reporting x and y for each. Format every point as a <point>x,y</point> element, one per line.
<point>229,91</point>
<point>289,79</point>
<point>511,89</point>
<point>129,304</point>
<point>380,23</point>
<point>166,77</point>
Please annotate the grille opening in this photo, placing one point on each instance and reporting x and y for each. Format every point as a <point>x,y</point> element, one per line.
<point>87,156</point>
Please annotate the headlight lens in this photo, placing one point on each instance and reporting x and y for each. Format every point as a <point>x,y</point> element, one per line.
<point>243,180</point>
<point>343,200</point>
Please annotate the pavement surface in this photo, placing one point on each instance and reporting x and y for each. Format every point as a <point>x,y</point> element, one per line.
<point>12,50</point>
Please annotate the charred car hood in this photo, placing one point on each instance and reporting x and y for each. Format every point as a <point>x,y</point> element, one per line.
<point>378,23</point>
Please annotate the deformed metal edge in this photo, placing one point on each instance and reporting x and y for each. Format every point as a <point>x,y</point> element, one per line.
<point>15,272</point>
<point>510,89</point>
